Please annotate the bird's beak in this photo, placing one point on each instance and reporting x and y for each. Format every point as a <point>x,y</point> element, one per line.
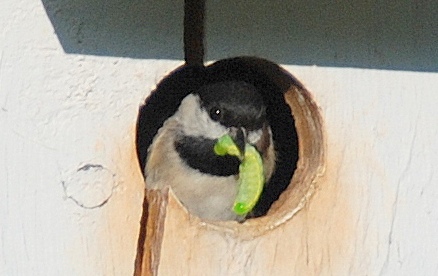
<point>238,134</point>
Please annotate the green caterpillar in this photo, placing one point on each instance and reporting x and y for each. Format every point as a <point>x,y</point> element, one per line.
<point>251,176</point>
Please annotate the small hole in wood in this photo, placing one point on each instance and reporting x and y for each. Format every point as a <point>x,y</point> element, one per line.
<point>296,125</point>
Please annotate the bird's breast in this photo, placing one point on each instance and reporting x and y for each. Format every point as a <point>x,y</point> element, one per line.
<point>205,195</point>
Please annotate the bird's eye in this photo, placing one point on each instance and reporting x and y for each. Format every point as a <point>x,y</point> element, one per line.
<point>215,114</point>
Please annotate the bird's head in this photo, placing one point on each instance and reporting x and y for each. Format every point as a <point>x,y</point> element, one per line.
<point>235,108</point>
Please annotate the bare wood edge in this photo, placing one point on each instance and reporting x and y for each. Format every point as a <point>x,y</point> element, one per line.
<point>156,214</point>
<point>141,238</point>
<point>311,162</point>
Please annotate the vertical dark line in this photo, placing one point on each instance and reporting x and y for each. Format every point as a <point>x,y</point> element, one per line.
<point>141,238</point>
<point>194,11</point>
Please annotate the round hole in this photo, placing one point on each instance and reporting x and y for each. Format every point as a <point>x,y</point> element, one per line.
<point>309,149</point>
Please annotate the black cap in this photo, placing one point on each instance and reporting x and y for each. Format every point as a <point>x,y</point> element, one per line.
<point>234,104</point>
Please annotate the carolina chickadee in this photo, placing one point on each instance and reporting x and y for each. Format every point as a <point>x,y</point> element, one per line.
<point>180,124</point>
<point>182,155</point>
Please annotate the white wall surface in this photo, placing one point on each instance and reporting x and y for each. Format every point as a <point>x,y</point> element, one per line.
<point>58,113</point>
<point>70,190</point>
<point>380,203</point>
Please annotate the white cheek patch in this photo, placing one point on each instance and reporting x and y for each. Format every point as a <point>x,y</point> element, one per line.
<point>195,121</point>
<point>254,136</point>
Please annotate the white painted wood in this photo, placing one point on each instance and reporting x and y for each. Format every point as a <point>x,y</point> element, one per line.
<point>375,211</point>
<point>381,128</point>
<point>59,113</point>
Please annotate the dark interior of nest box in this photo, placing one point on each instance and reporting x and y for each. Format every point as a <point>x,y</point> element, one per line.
<point>270,80</point>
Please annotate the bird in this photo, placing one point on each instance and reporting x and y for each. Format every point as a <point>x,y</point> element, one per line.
<point>182,154</point>
<point>184,118</point>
